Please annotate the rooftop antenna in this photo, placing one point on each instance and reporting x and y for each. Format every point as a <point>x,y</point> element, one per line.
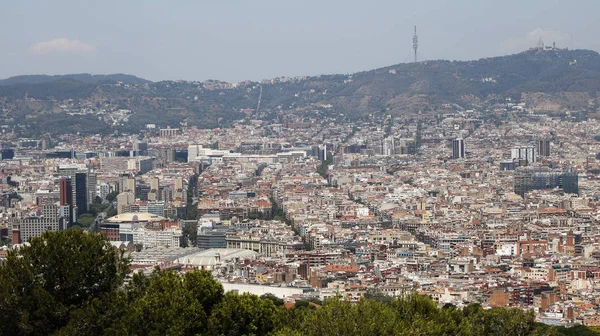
<point>540,43</point>
<point>415,43</point>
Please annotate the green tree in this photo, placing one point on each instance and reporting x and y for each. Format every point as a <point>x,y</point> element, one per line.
<point>378,295</point>
<point>112,196</point>
<point>60,272</point>
<point>98,316</point>
<point>191,210</point>
<point>86,220</point>
<point>276,301</point>
<point>324,167</point>
<point>242,314</point>
<point>190,233</point>
<point>170,304</point>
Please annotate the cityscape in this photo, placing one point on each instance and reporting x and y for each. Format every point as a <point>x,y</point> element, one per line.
<point>320,185</point>
<point>452,206</point>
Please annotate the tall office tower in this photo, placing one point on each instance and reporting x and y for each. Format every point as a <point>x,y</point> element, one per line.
<point>314,151</point>
<point>524,153</point>
<point>123,186</point>
<point>166,194</point>
<point>80,190</point>
<point>164,154</point>
<point>140,148</point>
<point>66,199</point>
<point>154,194</point>
<point>543,146</point>
<point>126,183</point>
<point>458,148</point>
<point>124,199</point>
<point>389,146</point>
<point>66,190</point>
<point>323,153</point>
<point>78,174</point>
<point>92,181</point>
<point>179,192</point>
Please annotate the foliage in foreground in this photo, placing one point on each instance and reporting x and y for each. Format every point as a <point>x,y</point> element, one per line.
<point>69,283</point>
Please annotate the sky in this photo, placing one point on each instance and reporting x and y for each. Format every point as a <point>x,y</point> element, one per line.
<point>235,40</point>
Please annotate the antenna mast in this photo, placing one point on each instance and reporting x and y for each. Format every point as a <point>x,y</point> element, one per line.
<point>415,43</point>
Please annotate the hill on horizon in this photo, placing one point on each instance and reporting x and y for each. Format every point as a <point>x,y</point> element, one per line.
<point>82,77</point>
<point>545,79</point>
<point>133,79</point>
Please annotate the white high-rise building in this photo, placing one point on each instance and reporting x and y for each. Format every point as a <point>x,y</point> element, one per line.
<point>458,148</point>
<point>389,147</point>
<point>103,190</point>
<point>194,152</point>
<point>27,227</point>
<point>524,153</point>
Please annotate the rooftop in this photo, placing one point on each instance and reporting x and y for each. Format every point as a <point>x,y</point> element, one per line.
<point>129,217</point>
<point>215,256</point>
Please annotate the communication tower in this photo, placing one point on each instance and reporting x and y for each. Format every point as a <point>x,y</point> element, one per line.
<point>415,43</point>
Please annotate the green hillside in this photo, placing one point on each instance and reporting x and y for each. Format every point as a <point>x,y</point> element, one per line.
<point>569,78</point>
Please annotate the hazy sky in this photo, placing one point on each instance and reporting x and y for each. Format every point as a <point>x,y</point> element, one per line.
<point>235,40</point>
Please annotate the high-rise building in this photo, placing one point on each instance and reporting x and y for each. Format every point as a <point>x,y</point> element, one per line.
<point>102,190</point>
<point>141,164</point>
<point>164,154</point>
<point>166,194</point>
<point>458,148</point>
<point>126,183</point>
<point>140,148</point>
<point>66,199</point>
<point>66,191</point>
<point>154,194</point>
<point>28,227</point>
<point>194,152</point>
<point>323,153</point>
<point>92,181</point>
<point>389,146</point>
<point>124,199</point>
<point>527,153</point>
<point>78,174</point>
<point>80,190</point>
<point>7,154</point>
<point>179,192</point>
<point>543,147</point>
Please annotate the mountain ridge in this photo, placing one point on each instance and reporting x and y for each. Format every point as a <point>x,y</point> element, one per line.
<point>80,77</point>
<point>133,79</point>
<point>545,79</point>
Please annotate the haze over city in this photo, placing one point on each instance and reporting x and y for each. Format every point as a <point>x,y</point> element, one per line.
<point>240,40</point>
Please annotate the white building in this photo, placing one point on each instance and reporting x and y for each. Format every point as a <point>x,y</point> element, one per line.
<point>524,153</point>
<point>29,227</point>
<point>102,190</point>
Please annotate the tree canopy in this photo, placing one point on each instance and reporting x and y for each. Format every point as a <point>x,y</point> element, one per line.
<point>72,283</point>
<point>41,284</point>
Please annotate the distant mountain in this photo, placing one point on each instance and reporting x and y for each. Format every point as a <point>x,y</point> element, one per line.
<point>548,79</point>
<point>83,78</point>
